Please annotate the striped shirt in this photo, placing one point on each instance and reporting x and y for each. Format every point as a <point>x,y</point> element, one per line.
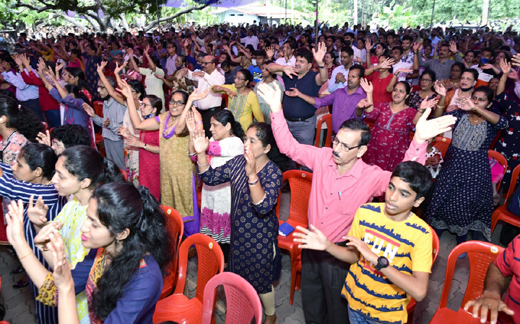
<point>408,247</point>
<point>13,189</point>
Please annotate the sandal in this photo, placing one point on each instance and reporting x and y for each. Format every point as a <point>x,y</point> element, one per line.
<point>270,319</point>
<point>20,284</point>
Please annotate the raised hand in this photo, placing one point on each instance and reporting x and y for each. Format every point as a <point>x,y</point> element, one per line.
<point>44,138</point>
<point>465,104</point>
<point>312,239</point>
<point>271,96</point>
<point>190,122</point>
<point>416,46</point>
<point>89,110</point>
<point>14,219</point>
<point>319,53</point>
<point>125,89</point>
<point>198,95</point>
<point>505,66</point>
<point>439,88</point>
<point>364,104</point>
<point>453,47</point>
<point>123,131</point>
<point>403,70</point>
<point>101,66</point>
<point>516,59</point>
<point>290,71</point>
<point>120,67</point>
<point>269,52</point>
<point>426,129</point>
<point>200,141</point>
<point>368,44</point>
<point>37,212</point>
<point>387,63</point>
<point>61,275</point>
<point>429,103</point>
<point>130,52</point>
<point>294,92</point>
<point>366,85</point>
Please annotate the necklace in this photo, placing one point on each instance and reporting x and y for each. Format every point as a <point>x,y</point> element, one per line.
<point>260,169</point>
<point>475,120</point>
<point>167,134</point>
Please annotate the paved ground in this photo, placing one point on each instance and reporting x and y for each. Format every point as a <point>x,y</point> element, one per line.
<point>20,309</point>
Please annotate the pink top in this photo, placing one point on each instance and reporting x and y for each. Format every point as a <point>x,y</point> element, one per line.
<point>334,199</point>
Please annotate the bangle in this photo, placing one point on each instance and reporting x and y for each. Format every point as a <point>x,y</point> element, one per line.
<point>440,107</point>
<point>421,111</point>
<point>192,154</point>
<point>25,256</point>
<point>202,165</point>
<point>321,67</point>
<point>253,183</point>
<point>199,122</point>
<point>144,146</point>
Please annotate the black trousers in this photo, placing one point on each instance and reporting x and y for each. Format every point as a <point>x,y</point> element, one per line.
<point>34,105</point>
<point>323,277</point>
<point>206,118</point>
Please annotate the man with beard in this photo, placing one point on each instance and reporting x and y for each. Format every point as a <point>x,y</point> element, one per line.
<point>343,101</point>
<point>300,115</point>
<point>406,44</point>
<point>442,65</point>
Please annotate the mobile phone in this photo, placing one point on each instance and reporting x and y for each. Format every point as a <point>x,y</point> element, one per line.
<point>344,243</point>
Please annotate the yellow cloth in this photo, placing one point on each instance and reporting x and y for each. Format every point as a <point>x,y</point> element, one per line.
<point>246,110</point>
<point>408,247</point>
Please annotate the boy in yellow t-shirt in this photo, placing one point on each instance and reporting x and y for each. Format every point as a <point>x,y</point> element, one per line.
<point>390,249</point>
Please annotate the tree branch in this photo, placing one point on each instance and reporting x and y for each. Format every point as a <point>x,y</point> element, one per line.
<point>73,21</point>
<point>155,22</point>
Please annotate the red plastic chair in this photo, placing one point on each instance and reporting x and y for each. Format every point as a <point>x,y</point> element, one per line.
<point>500,159</point>
<point>435,253</point>
<point>98,108</point>
<point>442,144</point>
<point>176,227</point>
<point>480,255</point>
<point>300,183</point>
<point>328,138</point>
<point>178,307</point>
<point>242,301</point>
<point>501,213</point>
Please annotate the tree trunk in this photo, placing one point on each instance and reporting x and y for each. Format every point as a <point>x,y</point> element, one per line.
<point>179,13</point>
<point>74,21</point>
<point>485,12</point>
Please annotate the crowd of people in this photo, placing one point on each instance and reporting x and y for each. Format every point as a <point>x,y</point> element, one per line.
<point>99,129</point>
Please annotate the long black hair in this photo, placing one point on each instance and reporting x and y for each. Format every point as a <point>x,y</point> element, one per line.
<point>224,117</point>
<point>82,81</point>
<point>85,162</point>
<point>264,132</point>
<point>38,155</point>
<point>71,88</point>
<point>121,206</point>
<point>138,87</point>
<point>21,118</point>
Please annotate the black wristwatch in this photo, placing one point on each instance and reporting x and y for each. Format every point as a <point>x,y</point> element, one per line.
<point>382,263</point>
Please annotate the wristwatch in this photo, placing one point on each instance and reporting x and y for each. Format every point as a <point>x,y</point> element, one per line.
<point>382,263</point>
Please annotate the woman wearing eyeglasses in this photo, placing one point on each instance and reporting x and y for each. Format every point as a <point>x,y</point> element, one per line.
<point>463,195</point>
<point>393,122</point>
<point>427,92</point>
<point>243,102</point>
<point>177,170</point>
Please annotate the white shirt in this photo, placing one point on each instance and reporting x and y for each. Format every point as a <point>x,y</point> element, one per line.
<point>333,86</point>
<point>283,61</point>
<point>250,40</point>
<point>213,99</point>
<point>401,65</point>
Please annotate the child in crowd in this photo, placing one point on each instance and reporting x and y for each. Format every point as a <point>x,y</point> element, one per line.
<point>389,247</point>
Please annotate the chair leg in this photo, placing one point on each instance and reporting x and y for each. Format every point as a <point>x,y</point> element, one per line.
<point>410,318</point>
<point>293,285</point>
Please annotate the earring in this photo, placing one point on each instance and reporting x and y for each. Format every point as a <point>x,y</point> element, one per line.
<point>118,241</point>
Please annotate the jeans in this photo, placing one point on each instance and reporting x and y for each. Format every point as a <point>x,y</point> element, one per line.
<point>356,317</point>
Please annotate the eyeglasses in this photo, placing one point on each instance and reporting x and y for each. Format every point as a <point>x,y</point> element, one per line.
<point>206,63</point>
<point>344,147</point>
<point>143,104</point>
<point>101,87</point>
<point>426,80</point>
<point>176,103</point>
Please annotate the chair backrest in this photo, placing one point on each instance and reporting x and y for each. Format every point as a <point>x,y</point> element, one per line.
<point>175,226</point>
<point>242,300</point>
<point>328,139</point>
<point>480,255</point>
<point>500,159</point>
<point>210,262</point>
<point>514,179</point>
<point>300,183</point>
<point>98,108</point>
<point>436,244</point>
<point>442,144</point>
